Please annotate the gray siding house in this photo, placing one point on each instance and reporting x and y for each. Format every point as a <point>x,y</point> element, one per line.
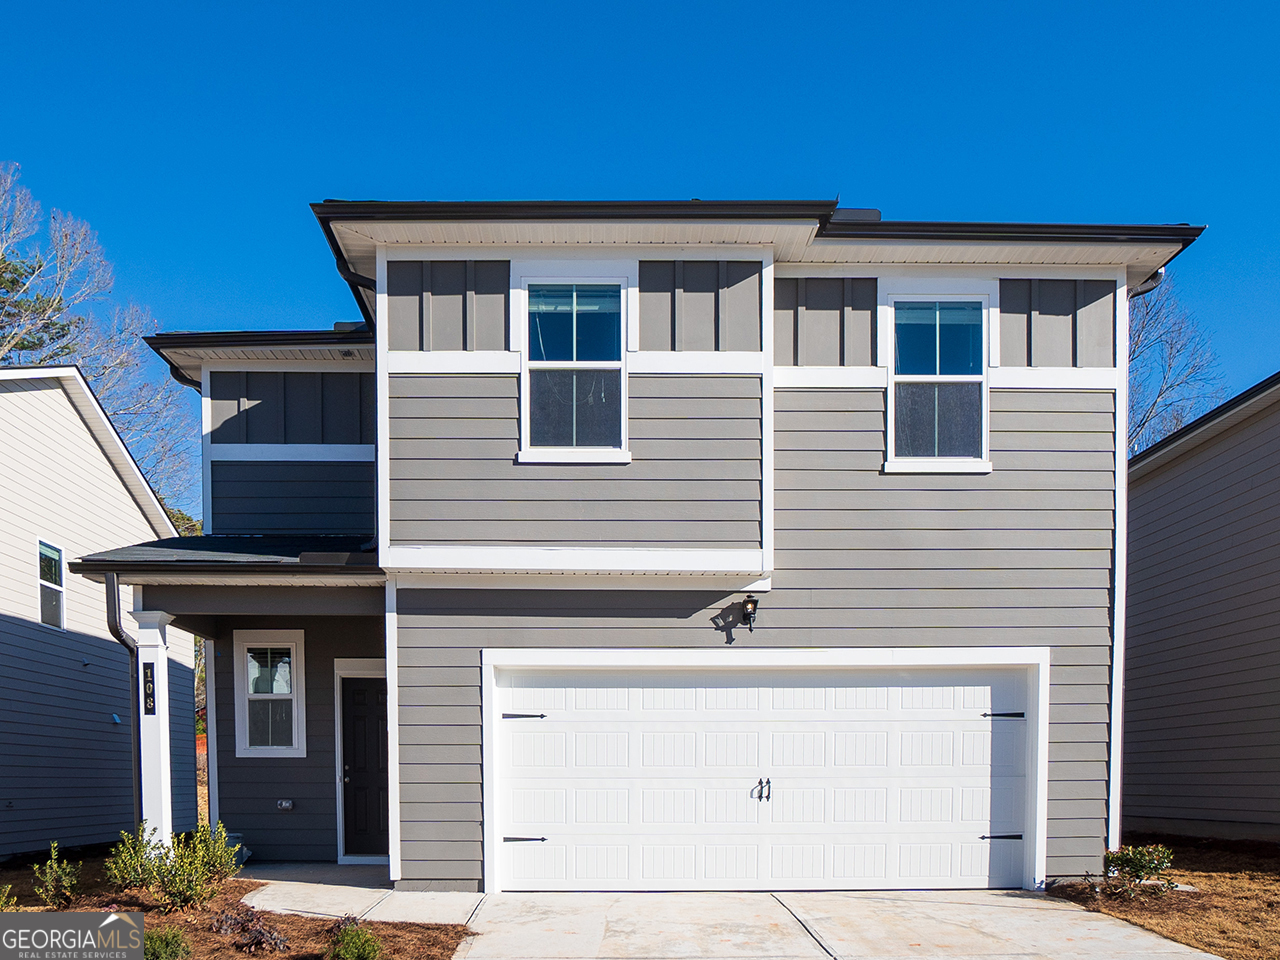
<point>1202,727</point>
<point>68,487</point>
<point>671,546</point>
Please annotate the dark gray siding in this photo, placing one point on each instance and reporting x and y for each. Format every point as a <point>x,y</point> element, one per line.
<point>448,304</point>
<point>182,746</point>
<point>694,479</point>
<point>1057,323</point>
<point>65,762</point>
<point>291,497</point>
<point>1022,557</point>
<point>1202,699</point>
<point>700,305</point>
<point>266,406</point>
<point>824,322</point>
<point>249,788</point>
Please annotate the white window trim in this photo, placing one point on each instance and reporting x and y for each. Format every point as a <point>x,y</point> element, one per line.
<point>374,667</point>
<point>628,282</point>
<point>1035,660</point>
<point>61,586</point>
<point>889,299</point>
<point>295,640</point>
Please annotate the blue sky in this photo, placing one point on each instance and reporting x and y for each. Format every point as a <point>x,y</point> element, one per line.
<point>193,136</point>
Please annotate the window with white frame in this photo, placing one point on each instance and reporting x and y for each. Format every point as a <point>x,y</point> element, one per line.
<point>938,381</point>
<point>270,694</point>
<point>575,377</point>
<point>52,590</point>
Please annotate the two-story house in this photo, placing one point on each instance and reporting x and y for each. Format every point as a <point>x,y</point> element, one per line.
<point>761,545</point>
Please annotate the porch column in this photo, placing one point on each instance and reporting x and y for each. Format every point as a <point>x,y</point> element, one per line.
<point>153,681</point>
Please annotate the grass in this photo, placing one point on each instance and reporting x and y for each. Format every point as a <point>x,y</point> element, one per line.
<point>1235,912</point>
<point>309,937</point>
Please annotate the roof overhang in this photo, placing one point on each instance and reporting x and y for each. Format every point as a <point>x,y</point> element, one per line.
<point>187,353</point>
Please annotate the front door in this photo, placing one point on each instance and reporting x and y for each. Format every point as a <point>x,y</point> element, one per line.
<point>364,765</point>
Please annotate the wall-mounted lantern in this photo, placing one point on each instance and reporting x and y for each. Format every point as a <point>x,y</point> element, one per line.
<point>749,606</point>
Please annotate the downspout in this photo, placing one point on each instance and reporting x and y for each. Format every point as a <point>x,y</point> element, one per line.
<point>1147,285</point>
<point>126,641</point>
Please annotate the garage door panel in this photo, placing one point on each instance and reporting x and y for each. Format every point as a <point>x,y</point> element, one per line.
<point>677,780</point>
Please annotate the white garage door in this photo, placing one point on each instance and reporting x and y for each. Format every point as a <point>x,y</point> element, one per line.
<point>760,779</point>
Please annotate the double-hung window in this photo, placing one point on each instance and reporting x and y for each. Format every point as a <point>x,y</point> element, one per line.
<point>575,376</point>
<point>52,613</point>
<point>938,384</point>
<point>270,705</point>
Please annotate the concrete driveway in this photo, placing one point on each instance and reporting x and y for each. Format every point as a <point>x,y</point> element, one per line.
<point>958,925</point>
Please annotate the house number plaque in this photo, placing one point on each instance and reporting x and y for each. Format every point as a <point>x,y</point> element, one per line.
<point>149,689</point>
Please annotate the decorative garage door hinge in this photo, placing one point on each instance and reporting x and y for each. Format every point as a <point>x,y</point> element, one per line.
<point>524,839</point>
<point>1006,716</point>
<point>524,716</point>
<point>1001,836</point>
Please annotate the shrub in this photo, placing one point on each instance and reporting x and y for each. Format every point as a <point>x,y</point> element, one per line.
<point>250,932</point>
<point>167,943</point>
<point>133,860</point>
<point>353,942</point>
<point>1129,867</point>
<point>180,878</point>
<point>218,859</point>
<point>57,878</point>
<point>8,902</point>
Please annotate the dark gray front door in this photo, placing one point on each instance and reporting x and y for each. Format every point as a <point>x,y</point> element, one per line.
<point>364,765</point>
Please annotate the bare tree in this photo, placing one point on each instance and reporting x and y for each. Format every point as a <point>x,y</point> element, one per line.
<point>1173,371</point>
<point>50,278</point>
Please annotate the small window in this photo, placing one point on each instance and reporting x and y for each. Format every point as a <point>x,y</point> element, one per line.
<point>51,587</point>
<point>269,694</point>
<point>575,365</point>
<point>938,377</point>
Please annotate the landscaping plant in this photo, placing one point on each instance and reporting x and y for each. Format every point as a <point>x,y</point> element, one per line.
<point>250,932</point>
<point>180,876</point>
<point>353,942</point>
<point>1129,867</point>
<point>57,878</point>
<point>133,860</point>
<point>218,858</point>
<point>167,943</point>
<point>8,902</point>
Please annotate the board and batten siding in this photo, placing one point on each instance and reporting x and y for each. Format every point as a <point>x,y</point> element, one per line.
<point>1022,557</point>
<point>1202,714</point>
<point>292,497</point>
<point>694,479</point>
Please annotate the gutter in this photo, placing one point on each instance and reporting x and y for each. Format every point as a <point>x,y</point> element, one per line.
<point>135,721</point>
<point>1147,285</point>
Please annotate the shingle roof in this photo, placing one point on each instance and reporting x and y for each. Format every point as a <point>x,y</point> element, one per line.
<point>312,551</point>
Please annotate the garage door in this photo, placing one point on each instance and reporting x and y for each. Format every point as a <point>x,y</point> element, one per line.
<point>760,779</point>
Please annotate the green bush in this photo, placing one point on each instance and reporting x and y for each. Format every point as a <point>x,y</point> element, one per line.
<point>167,943</point>
<point>355,943</point>
<point>180,877</point>
<point>133,860</point>
<point>218,858</point>
<point>57,878</point>
<point>1130,867</point>
<point>8,902</point>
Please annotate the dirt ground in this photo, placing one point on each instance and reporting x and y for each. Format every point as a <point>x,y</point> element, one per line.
<point>309,937</point>
<point>1236,911</point>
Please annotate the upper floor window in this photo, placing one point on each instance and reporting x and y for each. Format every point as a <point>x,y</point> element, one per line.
<point>938,395</point>
<point>51,586</point>
<point>575,365</point>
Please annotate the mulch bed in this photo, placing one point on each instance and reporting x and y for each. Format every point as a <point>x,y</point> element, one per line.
<point>309,937</point>
<point>1234,913</point>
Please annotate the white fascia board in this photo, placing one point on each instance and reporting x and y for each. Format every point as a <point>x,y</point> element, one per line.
<point>453,361</point>
<point>104,432</point>
<point>1054,378</point>
<point>470,559</point>
<point>798,657</point>
<point>849,378</point>
<point>292,451</point>
<point>696,361</point>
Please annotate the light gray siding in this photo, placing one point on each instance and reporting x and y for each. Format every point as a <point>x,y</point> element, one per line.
<point>1057,323</point>
<point>824,322</point>
<point>66,762</point>
<point>1022,557</point>
<point>694,479</point>
<point>182,746</point>
<point>266,406</point>
<point>248,788</point>
<point>700,305</point>
<point>1202,712</point>
<point>292,497</point>
<point>448,304</point>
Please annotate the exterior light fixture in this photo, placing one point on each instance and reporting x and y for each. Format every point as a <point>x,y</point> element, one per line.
<point>749,612</point>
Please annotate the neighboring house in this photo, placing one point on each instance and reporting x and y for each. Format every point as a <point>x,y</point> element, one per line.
<point>543,485</point>
<point>1202,728</point>
<point>68,487</point>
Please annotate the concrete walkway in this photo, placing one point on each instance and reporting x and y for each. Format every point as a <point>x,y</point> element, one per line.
<point>957,925</point>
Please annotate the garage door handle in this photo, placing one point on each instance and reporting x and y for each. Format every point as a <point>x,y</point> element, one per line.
<point>758,790</point>
<point>768,787</point>
<point>524,716</point>
<point>1001,836</point>
<point>1006,716</point>
<point>524,839</point>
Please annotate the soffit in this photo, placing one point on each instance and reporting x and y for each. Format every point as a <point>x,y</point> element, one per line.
<point>191,360</point>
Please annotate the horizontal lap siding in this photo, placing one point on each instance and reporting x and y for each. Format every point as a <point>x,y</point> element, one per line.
<point>1018,558</point>
<point>292,497</point>
<point>694,479</point>
<point>1202,716</point>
